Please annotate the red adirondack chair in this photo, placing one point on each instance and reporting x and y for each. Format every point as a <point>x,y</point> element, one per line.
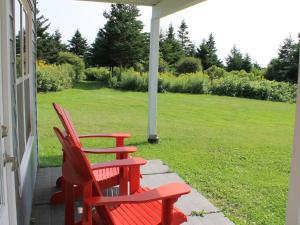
<point>107,177</point>
<point>142,207</point>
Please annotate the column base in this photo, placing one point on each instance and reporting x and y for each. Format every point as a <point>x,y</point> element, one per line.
<point>153,139</point>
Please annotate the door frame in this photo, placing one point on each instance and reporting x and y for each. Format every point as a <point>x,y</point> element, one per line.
<point>4,218</point>
<point>6,11</point>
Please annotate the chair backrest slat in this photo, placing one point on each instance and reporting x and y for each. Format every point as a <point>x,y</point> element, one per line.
<point>67,124</point>
<point>77,169</point>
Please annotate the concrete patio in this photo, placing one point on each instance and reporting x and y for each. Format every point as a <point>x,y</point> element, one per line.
<point>155,173</point>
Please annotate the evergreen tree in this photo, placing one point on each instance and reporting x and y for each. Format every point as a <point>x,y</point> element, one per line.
<point>256,66</point>
<point>170,47</point>
<point>55,46</point>
<point>48,46</point>
<point>191,50</point>
<point>234,60</point>
<point>99,50</point>
<point>120,42</point>
<point>285,66</point>
<point>247,64</point>
<point>207,52</point>
<point>186,44</point>
<point>42,26</point>
<point>78,45</point>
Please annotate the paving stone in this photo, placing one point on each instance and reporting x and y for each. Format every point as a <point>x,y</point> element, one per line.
<point>187,203</point>
<point>155,174</point>
<point>209,219</point>
<point>154,167</point>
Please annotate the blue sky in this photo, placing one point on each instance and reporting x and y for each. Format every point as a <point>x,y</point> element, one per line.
<point>257,27</point>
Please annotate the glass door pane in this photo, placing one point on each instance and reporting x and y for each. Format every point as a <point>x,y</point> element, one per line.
<point>18,38</point>
<point>21,123</point>
<point>27,108</point>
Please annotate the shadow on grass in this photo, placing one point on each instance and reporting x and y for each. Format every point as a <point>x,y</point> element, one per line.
<point>88,85</point>
<point>139,143</point>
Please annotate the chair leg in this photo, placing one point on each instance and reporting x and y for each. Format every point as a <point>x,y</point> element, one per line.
<point>69,203</point>
<point>87,209</point>
<point>167,211</point>
<point>124,181</point>
<point>134,179</point>
<point>59,182</point>
<point>119,143</point>
<point>59,197</point>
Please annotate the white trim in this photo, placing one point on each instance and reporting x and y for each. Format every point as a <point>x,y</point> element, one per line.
<point>168,7</point>
<point>153,77</point>
<point>3,190</point>
<point>293,208</point>
<point>137,2</point>
<point>25,162</point>
<point>7,114</point>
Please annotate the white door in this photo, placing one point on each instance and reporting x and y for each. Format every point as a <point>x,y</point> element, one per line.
<point>7,184</point>
<point>4,216</point>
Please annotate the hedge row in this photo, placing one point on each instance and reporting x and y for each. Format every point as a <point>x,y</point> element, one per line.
<point>55,77</point>
<point>237,84</point>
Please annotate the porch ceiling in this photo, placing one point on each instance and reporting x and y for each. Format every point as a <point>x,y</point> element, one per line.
<point>137,2</point>
<point>161,8</point>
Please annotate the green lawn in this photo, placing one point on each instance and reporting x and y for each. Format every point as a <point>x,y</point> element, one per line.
<point>235,151</point>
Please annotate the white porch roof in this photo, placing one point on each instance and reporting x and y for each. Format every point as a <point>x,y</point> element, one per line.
<point>137,2</point>
<point>161,8</point>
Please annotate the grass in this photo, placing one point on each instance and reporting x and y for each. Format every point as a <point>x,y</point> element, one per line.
<point>235,151</point>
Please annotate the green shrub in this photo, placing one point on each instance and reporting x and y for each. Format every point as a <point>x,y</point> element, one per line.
<point>101,74</point>
<point>188,65</point>
<point>190,83</point>
<point>233,85</point>
<point>163,66</point>
<point>215,72</point>
<point>55,77</point>
<point>133,82</point>
<point>75,61</point>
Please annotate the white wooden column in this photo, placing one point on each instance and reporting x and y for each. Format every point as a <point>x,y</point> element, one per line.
<point>293,208</point>
<point>153,79</point>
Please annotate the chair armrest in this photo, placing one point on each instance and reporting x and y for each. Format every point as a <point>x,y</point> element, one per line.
<point>127,149</point>
<point>120,163</point>
<point>113,135</point>
<point>169,191</point>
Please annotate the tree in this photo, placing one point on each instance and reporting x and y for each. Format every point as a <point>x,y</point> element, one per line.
<point>55,46</point>
<point>234,60</point>
<point>48,45</point>
<point>207,53</point>
<point>188,65</point>
<point>186,44</point>
<point>121,41</point>
<point>170,47</point>
<point>285,66</point>
<point>247,64</point>
<point>42,25</point>
<point>78,45</point>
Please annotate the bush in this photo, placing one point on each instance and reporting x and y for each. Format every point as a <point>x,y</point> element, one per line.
<point>233,85</point>
<point>163,66</point>
<point>55,77</point>
<point>75,61</point>
<point>188,65</point>
<point>101,74</point>
<point>190,83</point>
<point>215,72</point>
<point>133,82</point>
